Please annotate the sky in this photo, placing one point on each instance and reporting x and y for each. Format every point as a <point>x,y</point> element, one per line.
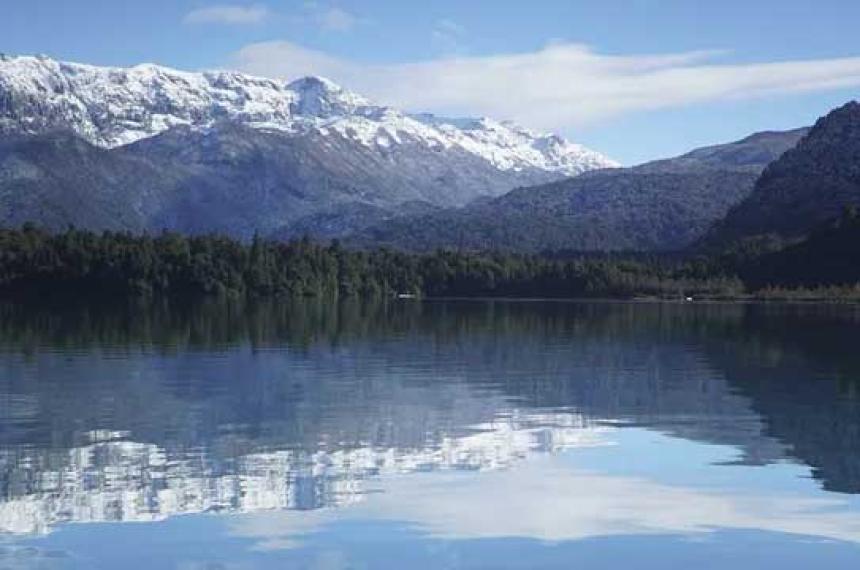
<point>634,79</point>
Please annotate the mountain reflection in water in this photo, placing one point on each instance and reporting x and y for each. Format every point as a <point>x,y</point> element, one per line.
<point>141,412</point>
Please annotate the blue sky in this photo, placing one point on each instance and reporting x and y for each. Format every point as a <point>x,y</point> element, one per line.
<point>635,79</point>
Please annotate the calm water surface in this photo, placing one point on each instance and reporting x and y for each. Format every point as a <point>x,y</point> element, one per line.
<point>430,435</point>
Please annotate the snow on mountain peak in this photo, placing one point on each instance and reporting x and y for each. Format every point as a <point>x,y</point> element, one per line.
<point>319,97</point>
<point>113,107</point>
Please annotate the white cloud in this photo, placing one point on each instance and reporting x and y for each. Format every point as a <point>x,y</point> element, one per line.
<point>228,14</point>
<point>560,86</point>
<point>330,18</point>
<point>548,501</point>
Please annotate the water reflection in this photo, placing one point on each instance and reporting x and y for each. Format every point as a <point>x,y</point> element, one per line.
<point>138,413</point>
<point>117,480</point>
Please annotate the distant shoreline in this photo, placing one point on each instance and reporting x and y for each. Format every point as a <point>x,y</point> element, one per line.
<point>79,265</point>
<point>745,300</point>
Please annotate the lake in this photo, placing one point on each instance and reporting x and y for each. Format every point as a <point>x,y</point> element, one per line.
<point>436,434</point>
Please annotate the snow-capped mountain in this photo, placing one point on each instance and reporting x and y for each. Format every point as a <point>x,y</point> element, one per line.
<point>152,148</point>
<point>112,107</point>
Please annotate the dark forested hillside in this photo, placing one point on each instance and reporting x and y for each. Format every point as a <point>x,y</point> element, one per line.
<point>609,211</point>
<point>61,179</point>
<point>829,256</point>
<point>807,186</point>
<point>661,206</point>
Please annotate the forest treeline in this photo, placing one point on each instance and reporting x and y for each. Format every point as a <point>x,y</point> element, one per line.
<point>87,264</point>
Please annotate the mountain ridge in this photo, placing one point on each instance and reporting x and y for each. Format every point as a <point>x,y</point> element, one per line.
<point>111,106</point>
<point>663,205</point>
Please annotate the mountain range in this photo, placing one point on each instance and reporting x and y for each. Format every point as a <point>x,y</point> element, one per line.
<point>780,186</point>
<point>148,148</point>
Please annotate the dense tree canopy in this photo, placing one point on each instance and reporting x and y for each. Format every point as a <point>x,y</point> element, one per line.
<point>86,264</point>
<point>83,263</point>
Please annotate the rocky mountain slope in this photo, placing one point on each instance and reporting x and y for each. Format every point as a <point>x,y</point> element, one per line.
<point>659,206</point>
<point>228,152</point>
